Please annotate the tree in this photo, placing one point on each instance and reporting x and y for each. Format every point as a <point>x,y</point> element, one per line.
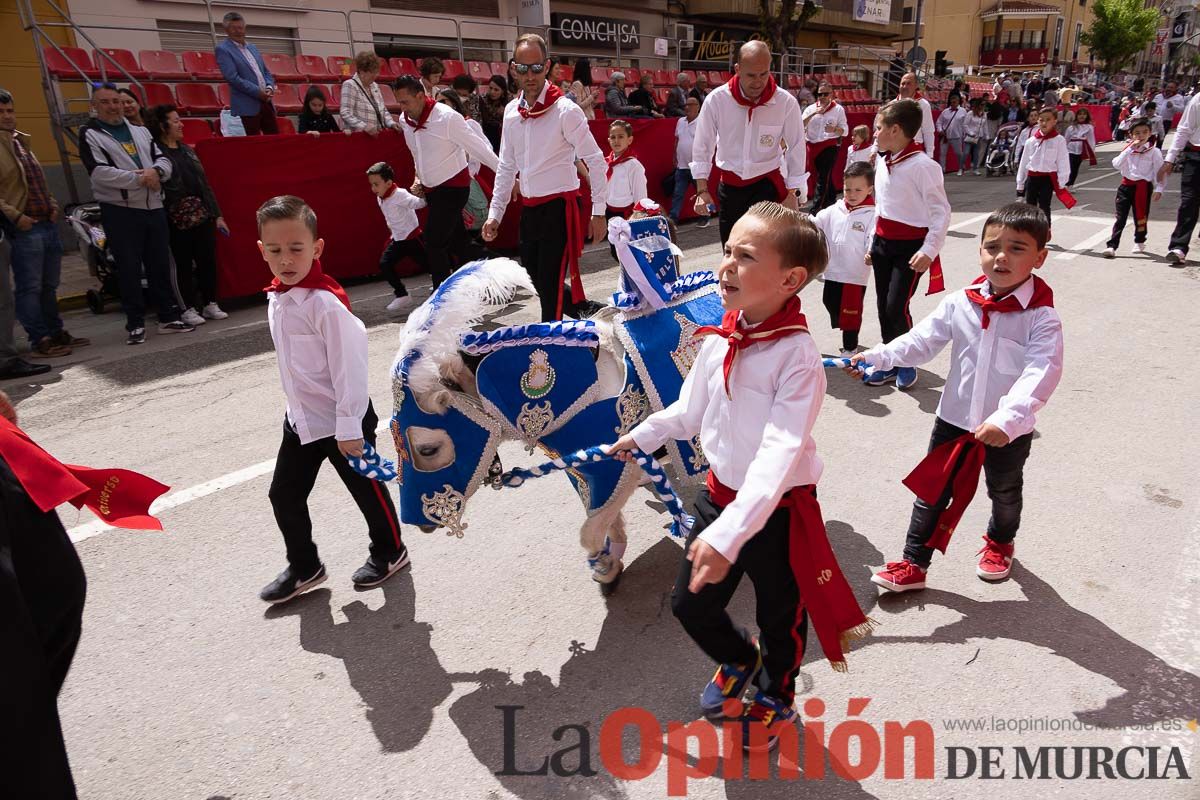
<point>1121,29</point>
<point>781,20</point>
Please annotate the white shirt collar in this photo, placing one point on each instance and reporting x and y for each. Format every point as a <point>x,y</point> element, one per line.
<point>1023,293</point>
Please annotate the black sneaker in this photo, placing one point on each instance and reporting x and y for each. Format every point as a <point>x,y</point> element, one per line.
<point>136,336</point>
<point>178,326</point>
<point>372,574</point>
<point>287,585</point>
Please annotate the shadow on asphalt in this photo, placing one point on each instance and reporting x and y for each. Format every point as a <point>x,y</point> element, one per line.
<point>865,400</point>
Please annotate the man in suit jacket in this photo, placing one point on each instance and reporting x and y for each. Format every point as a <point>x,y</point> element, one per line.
<point>251,83</point>
<point>677,97</point>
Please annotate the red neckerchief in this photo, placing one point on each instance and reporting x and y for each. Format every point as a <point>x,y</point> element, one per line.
<point>541,106</point>
<point>910,150</point>
<point>917,96</point>
<point>315,279</point>
<point>1037,134</point>
<point>425,112</point>
<point>735,89</point>
<point>854,148</point>
<point>869,201</point>
<point>784,322</point>
<point>1042,296</point>
<point>391,191</point>
<point>1133,146</point>
<point>621,159</point>
<point>118,496</point>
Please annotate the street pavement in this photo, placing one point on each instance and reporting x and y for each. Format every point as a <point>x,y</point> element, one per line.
<point>186,685</point>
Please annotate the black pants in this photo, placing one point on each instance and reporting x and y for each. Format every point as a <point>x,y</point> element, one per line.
<point>1039,191</point>
<point>444,232</point>
<point>1003,469</point>
<point>296,469</point>
<point>1189,202</point>
<point>264,121</point>
<point>831,296</point>
<point>42,589</point>
<point>543,241</point>
<point>895,283</point>
<point>782,625</point>
<point>1125,197</point>
<point>824,195</point>
<point>195,252</point>
<point>1076,160</point>
<point>139,237</point>
<point>393,254</point>
<point>735,201</point>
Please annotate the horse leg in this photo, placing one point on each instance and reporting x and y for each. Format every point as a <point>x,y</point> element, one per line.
<point>604,539</point>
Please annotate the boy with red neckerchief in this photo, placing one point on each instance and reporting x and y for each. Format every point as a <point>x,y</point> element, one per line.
<point>912,216</point>
<point>758,515</point>
<point>1139,164</point>
<point>847,225</point>
<point>626,176</point>
<point>322,350</point>
<point>399,207</point>
<point>1045,165</point>
<point>1006,360</point>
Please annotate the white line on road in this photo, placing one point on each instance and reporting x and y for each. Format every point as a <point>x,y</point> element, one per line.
<point>966,223</point>
<point>1104,177</point>
<point>1083,246</point>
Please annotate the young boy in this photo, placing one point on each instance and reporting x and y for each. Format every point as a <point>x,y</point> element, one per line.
<point>911,220</point>
<point>399,208</point>
<point>847,226</point>
<point>1157,129</point>
<point>1139,163</point>
<point>1045,165</point>
<point>1006,360</point>
<point>322,351</point>
<point>860,146</point>
<point>759,515</point>
<point>626,175</point>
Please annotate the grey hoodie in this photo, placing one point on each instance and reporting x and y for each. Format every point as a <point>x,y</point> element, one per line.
<point>114,173</point>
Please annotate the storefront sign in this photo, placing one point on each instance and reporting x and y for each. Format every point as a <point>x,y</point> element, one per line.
<point>581,29</point>
<point>876,12</point>
<point>715,44</point>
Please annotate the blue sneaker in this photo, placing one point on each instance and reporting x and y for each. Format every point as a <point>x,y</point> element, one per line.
<point>906,378</point>
<point>766,712</point>
<point>880,377</point>
<point>728,683</point>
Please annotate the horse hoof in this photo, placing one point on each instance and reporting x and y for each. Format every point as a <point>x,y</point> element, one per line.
<point>608,589</point>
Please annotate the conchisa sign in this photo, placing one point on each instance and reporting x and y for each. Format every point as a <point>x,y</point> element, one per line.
<point>576,29</point>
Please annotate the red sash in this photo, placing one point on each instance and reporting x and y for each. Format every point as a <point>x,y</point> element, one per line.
<point>784,322</point>
<point>1141,200</point>
<point>461,179</point>
<point>1064,196</point>
<point>939,470</point>
<point>816,148</point>
<point>574,249</point>
<point>621,211</point>
<point>735,89</point>
<point>774,176</point>
<point>425,112</point>
<point>824,591</point>
<point>315,279</point>
<point>898,231</point>
<point>850,312</point>
<point>1087,153</point>
<point>553,93</point>
<point>118,496</point>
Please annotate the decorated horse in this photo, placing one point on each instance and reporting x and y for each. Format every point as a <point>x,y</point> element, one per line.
<point>560,387</point>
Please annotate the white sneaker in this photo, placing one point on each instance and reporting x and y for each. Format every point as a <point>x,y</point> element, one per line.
<point>1139,247</point>
<point>976,172</point>
<point>960,173</point>
<point>192,318</point>
<point>1177,257</point>
<point>1109,253</point>
<point>213,311</point>
<point>400,303</point>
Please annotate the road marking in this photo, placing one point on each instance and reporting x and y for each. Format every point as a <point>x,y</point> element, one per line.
<point>1083,246</point>
<point>1106,189</point>
<point>1110,174</point>
<point>969,222</point>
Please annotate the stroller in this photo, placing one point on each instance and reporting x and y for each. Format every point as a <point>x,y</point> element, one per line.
<point>1001,153</point>
<point>93,246</point>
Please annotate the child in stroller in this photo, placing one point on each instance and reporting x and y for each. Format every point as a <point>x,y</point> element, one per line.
<point>1000,155</point>
<point>93,246</point>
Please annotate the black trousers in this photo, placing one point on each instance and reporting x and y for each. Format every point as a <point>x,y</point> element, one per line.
<point>1039,191</point>
<point>393,254</point>
<point>735,201</point>
<point>895,283</point>
<point>445,233</point>
<point>1003,470</point>
<point>195,252</point>
<point>831,296</point>
<point>139,237</point>
<point>296,469</point>
<point>1189,202</point>
<point>1125,198</point>
<point>824,195</point>
<point>42,590</point>
<point>783,626</point>
<point>543,238</point>
<point>1076,160</point>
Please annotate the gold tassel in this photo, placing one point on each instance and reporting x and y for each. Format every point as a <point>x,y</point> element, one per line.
<point>859,631</point>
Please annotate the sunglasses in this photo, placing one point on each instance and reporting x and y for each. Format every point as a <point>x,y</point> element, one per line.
<point>824,94</point>
<point>521,69</point>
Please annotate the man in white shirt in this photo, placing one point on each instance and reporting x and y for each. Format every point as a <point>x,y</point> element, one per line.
<point>909,91</point>
<point>544,133</point>
<point>441,143</point>
<point>824,126</point>
<point>1169,102</point>
<point>685,136</point>
<point>1185,145</point>
<point>745,125</point>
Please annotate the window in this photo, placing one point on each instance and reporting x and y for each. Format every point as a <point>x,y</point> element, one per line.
<point>179,36</point>
<point>1078,34</point>
<point>908,15</point>
<point>1058,37</point>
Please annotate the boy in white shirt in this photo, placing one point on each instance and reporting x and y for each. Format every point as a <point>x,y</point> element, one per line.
<point>847,225</point>
<point>1045,165</point>
<point>1081,142</point>
<point>860,150</point>
<point>753,396</point>
<point>1139,164</point>
<point>626,175</point>
<point>399,208</point>
<point>322,350</point>
<point>1006,360</point>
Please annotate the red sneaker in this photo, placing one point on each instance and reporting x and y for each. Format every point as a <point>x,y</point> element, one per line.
<point>900,576</point>
<point>995,560</point>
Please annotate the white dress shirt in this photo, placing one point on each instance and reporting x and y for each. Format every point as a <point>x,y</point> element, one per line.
<point>1044,155</point>
<point>814,129</point>
<point>926,136</point>
<point>400,211</point>
<point>952,122</point>
<point>848,237</point>
<point>758,437</point>
<point>685,136</point>
<point>864,154</point>
<point>1188,131</point>
<point>1169,106</point>
<point>913,192</point>
<point>627,185</point>
<point>975,125</point>
<point>322,350</point>
<point>1087,132</point>
<point>253,62</point>
<point>750,149</point>
<point>1140,166</point>
<point>441,148</point>
<point>543,150</point>
<point>473,163</point>
<point>1001,375</point>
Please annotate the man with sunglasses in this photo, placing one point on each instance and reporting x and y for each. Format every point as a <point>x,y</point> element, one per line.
<point>824,126</point>
<point>746,124</point>
<point>544,133</point>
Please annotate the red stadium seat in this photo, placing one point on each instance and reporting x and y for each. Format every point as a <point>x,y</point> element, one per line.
<point>60,63</point>
<point>389,98</point>
<point>335,97</point>
<point>196,130</point>
<point>633,76</point>
<point>162,66</point>
<point>386,73</point>
<point>287,99</point>
<point>454,68</point>
<point>660,97</point>
<point>198,98</point>
<point>403,66</point>
<point>286,126</point>
<point>341,67</point>
<point>664,77</point>
<point>158,94</point>
<point>726,76</point>
<point>600,75</point>
<point>282,67</point>
<point>499,68</point>
<point>481,71</point>
<point>330,103</point>
<point>715,78</point>
<point>224,94</point>
<point>202,65</point>
<point>314,68</point>
<point>125,59</point>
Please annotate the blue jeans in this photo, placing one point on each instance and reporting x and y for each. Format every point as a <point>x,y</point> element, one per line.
<point>683,179</point>
<point>37,265</point>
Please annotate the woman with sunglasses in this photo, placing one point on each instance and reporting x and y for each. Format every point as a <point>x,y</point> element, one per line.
<point>824,126</point>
